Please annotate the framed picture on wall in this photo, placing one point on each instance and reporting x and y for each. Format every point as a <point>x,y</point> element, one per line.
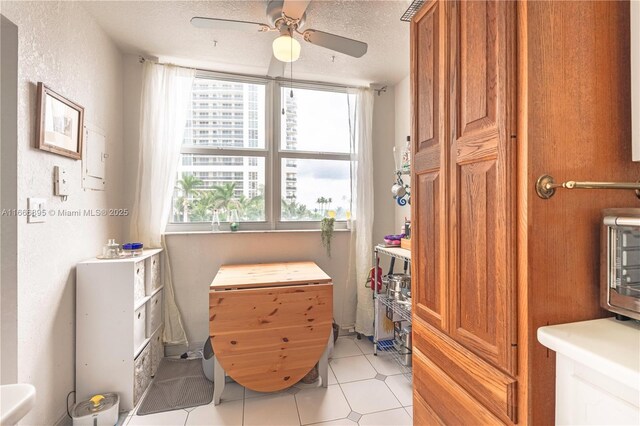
<point>59,124</point>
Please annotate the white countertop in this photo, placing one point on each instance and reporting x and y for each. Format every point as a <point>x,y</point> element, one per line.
<point>608,346</point>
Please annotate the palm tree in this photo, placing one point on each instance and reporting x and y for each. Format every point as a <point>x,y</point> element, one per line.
<point>290,209</point>
<point>200,212</point>
<point>322,202</point>
<point>251,208</point>
<point>187,185</point>
<point>225,197</point>
<point>203,206</point>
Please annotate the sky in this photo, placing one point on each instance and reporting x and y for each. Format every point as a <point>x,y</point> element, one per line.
<point>322,125</point>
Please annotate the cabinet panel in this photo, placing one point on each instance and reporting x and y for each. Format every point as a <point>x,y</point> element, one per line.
<point>427,96</point>
<point>478,59</point>
<point>482,175</point>
<point>490,386</point>
<point>429,289</point>
<point>448,401</point>
<point>429,166</point>
<point>476,287</point>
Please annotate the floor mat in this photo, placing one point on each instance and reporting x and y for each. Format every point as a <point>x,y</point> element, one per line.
<point>179,383</point>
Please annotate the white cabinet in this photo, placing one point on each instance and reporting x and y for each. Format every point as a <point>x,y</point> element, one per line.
<point>118,326</point>
<point>597,371</point>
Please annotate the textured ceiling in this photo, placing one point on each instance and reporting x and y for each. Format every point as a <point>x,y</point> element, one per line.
<point>162,29</point>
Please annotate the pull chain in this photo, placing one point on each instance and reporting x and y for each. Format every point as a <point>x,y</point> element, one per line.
<point>291,69</point>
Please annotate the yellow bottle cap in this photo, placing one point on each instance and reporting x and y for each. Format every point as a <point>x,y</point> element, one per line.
<point>96,400</point>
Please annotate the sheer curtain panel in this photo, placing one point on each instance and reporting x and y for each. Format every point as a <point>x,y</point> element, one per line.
<point>362,228</point>
<point>165,102</point>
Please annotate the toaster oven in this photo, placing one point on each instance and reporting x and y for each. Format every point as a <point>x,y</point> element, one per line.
<point>620,264</point>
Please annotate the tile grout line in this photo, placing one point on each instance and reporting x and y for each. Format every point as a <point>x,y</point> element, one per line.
<point>384,411</point>
<point>295,400</point>
<point>345,398</point>
<point>385,383</point>
<point>244,400</point>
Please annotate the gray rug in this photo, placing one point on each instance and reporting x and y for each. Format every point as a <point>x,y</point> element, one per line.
<point>179,383</point>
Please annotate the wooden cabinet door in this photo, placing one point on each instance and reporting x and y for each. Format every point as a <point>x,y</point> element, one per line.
<point>482,179</point>
<point>429,177</point>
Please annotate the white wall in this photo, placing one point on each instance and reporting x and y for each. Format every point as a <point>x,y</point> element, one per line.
<point>383,165</point>
<point>402,130</point>
<point>8,200</point>
<point>61,45</point>
<point>196,257</point>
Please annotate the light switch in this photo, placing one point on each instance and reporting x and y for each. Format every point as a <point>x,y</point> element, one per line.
<point>60,182</point>
<point>37,210</point>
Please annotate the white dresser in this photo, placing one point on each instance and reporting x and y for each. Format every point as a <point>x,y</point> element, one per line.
<point>118,326</point>
<point>597,371</point>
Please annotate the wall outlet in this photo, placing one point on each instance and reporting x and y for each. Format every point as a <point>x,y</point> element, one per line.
<point>36,210</point>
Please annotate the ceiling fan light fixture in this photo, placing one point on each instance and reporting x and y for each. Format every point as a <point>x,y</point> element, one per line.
<point>286,48</point>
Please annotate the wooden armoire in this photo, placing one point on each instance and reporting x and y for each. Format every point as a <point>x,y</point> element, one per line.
<point>502,93</point>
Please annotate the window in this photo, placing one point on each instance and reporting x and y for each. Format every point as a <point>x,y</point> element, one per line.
<point>314,155</point>
<point>289,178</point>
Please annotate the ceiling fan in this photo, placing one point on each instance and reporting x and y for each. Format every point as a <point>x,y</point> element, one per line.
<point>287,17</point>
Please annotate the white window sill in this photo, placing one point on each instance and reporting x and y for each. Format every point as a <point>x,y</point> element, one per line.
<point>250,231</point>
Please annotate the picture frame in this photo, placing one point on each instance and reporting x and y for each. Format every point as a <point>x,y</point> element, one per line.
<point>60,124</point>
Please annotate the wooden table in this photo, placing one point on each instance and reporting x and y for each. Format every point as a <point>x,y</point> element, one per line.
<point>269,324</point>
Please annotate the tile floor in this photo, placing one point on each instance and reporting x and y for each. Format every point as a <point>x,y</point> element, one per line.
<point>363,390</point>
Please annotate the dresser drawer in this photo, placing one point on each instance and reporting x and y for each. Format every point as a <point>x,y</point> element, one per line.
<point>138,283</point>
<point>449,402</point>
<point>154,313</point>
<point>493,388</point>
<point>153,281</point>
<point>141,373</point>
<point>139,327</point>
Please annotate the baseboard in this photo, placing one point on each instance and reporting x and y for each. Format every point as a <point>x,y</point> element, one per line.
<point>65,420</point>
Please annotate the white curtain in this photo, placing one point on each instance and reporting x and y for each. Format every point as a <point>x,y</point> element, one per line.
<point>362,202</point>
<point>165,101</point>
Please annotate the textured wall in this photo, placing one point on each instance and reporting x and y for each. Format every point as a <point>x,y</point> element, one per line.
<point>403,129</point>
<point>61,45</point>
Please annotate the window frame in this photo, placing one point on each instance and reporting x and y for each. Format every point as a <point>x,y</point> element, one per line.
<point>272,153</point>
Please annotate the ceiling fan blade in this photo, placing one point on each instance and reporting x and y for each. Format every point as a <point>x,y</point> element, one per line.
<point>338,43</point>
<point>227,24</point>
<point>276,68</point>
<point>295,8</point>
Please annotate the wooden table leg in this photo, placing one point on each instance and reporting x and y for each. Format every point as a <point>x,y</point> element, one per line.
<point>218,381</point>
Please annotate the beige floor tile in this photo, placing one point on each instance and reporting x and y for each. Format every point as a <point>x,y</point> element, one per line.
<point>401,388</point>
<point>369,396</point>
<point>272,410</point>
<point>227,413</point>
<point>384,364</point>
<point>345,346</point>
<point>352,368</point>
<point>321,404</point>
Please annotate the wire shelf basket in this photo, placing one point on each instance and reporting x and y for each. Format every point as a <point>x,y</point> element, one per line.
<point>388,348</point>
<point>412,10</point>
<point>403,310</point>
